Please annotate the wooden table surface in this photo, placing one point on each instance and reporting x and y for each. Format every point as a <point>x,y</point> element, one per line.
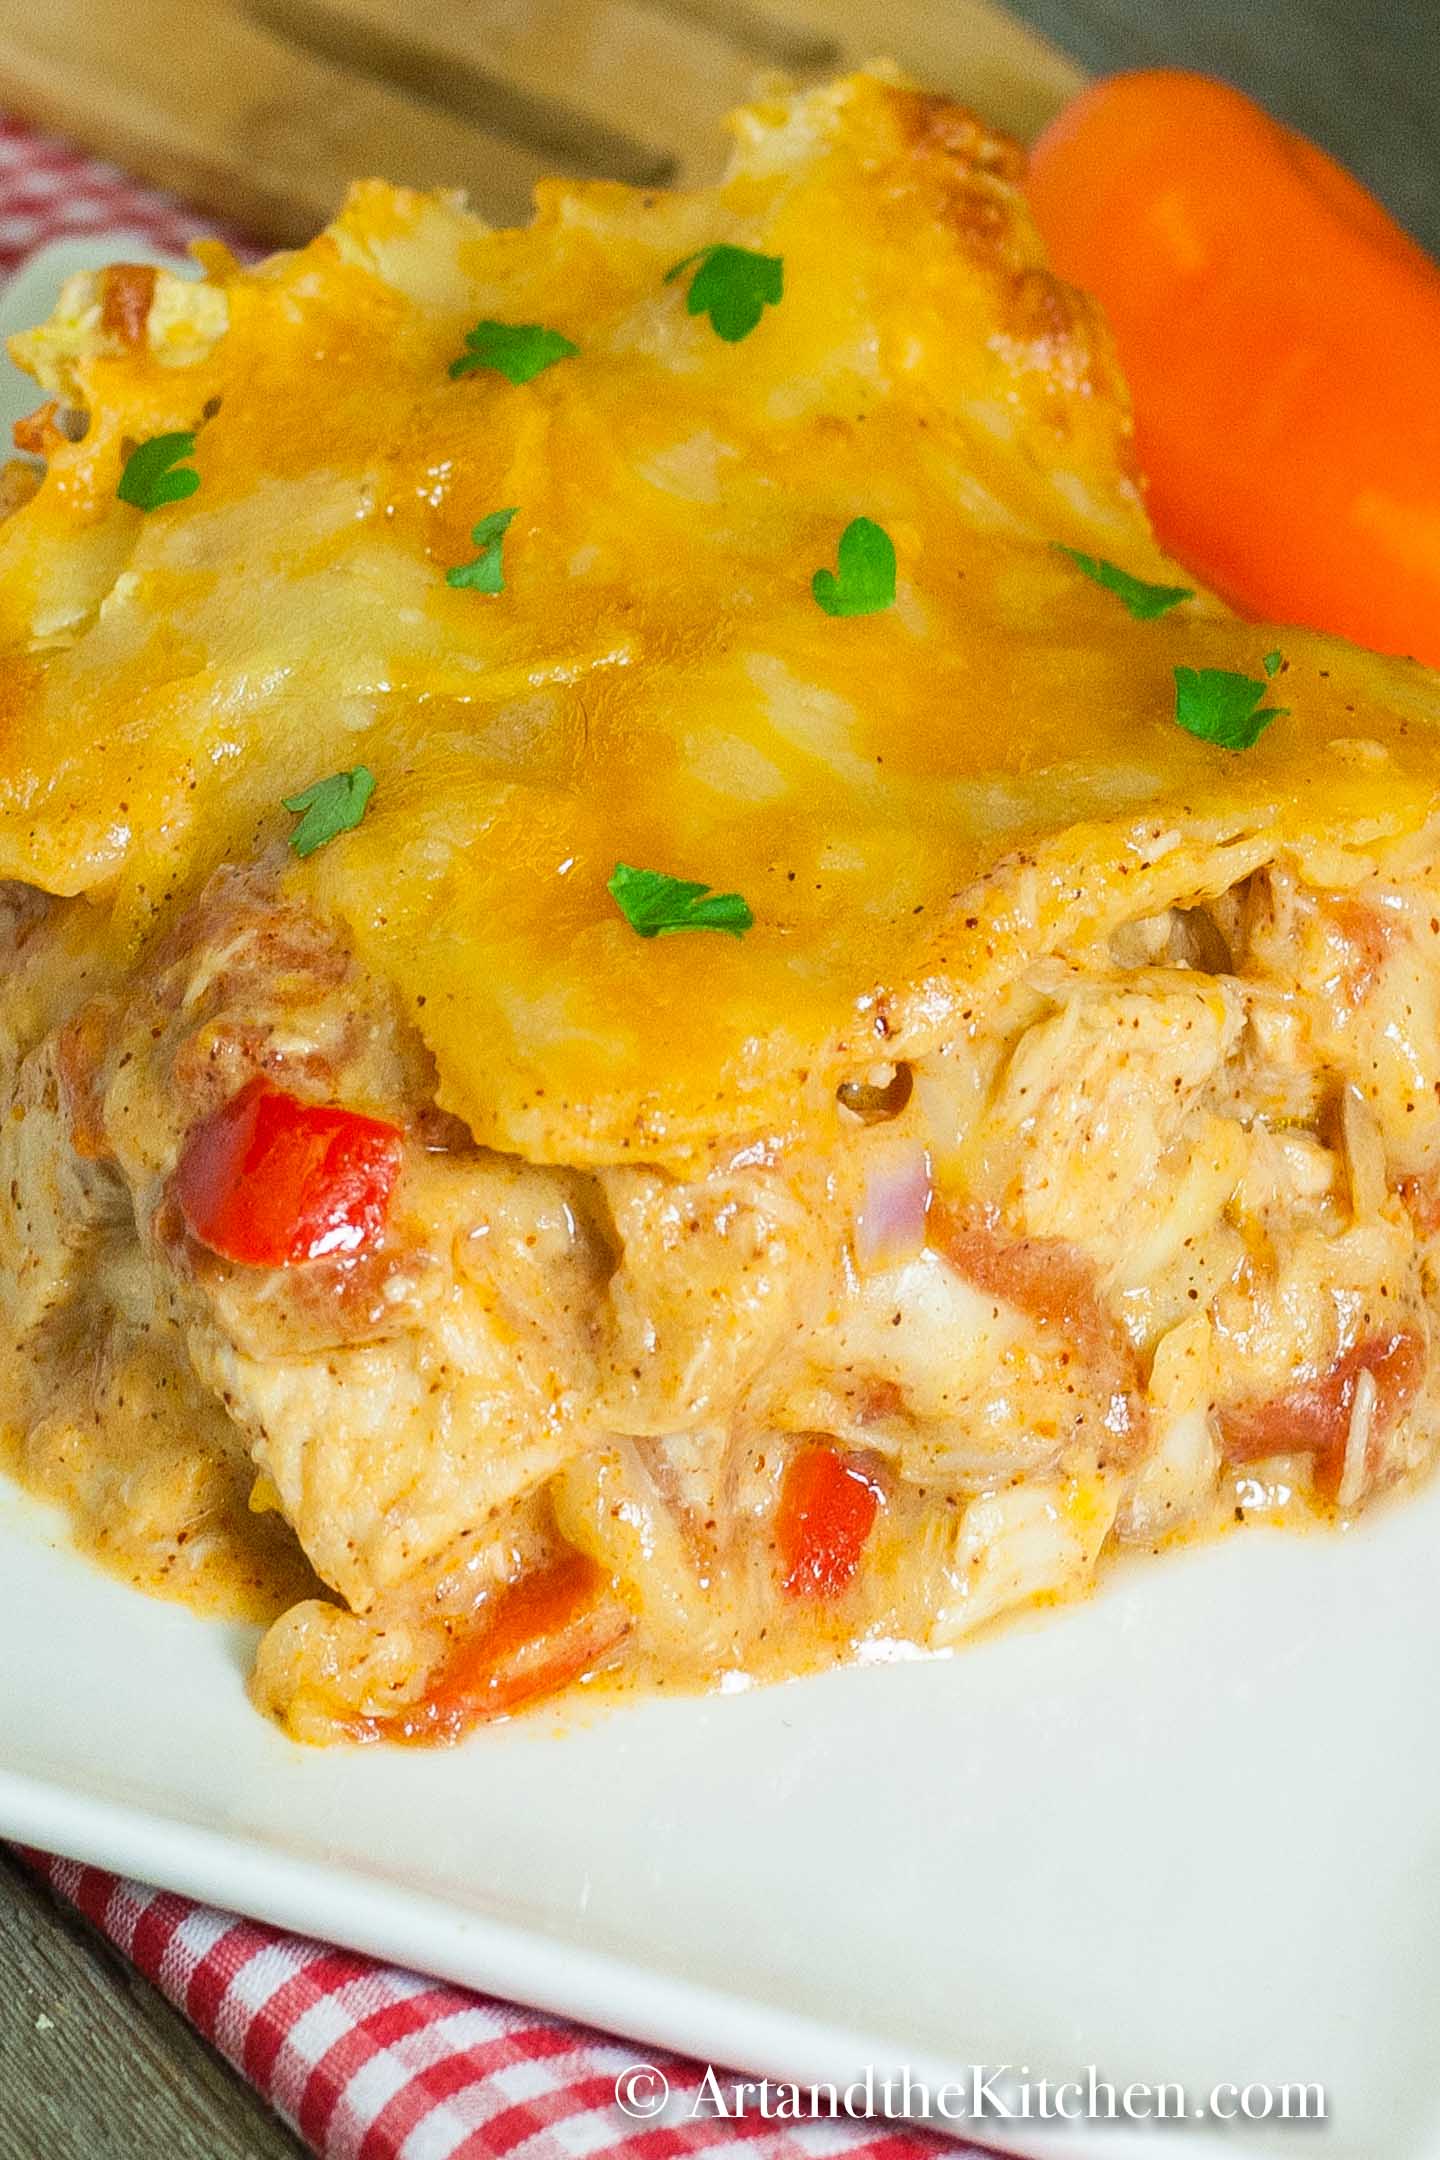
<point>94,2065</point>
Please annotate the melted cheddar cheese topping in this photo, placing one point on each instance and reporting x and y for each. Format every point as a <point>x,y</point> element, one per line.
<point>915,804</point>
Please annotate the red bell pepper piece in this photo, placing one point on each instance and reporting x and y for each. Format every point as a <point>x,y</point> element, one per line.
<point>270,1181</point>
<point>827,1510</point>
<point>539,1633</point>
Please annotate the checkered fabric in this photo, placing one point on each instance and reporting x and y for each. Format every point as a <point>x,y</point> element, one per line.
<point>370,2063</point>
<point>364,2061</point>
<point>50,191</point>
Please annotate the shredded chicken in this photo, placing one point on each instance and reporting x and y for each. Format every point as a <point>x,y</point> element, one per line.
<point>1141,1286</point>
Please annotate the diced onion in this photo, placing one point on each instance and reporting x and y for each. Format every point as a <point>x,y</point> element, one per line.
<point>1357,1439</point>
<point>1364,1155</point>
<point>890,1221</point>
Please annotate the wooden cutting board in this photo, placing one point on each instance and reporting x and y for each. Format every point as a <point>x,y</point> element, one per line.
<point>262,110</point>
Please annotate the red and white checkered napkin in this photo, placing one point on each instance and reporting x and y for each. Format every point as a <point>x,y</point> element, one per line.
<point>367,2063</point>
<point>49,191</point>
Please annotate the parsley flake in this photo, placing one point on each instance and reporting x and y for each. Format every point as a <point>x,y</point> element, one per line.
<point>1145,601</point>
<point>154,473</point>
<point>1273,661</point>
<point>732,285</point>
<point>1220,707</point>
<point>865,582</point>
<point>518,351</point>
<point>656,905</point>
<point>486,573</point>
<point>329,807</point>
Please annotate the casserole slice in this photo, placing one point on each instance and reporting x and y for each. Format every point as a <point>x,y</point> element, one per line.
<point>672,1010</point>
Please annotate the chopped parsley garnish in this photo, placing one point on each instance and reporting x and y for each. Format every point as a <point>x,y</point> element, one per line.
<point>656,905</point>
<point>154,473</point>
<point>1221,707</point>
<point>329,807</point>
<point>1273,661</point>
<point>732,285</point>
<point>1144,601</point>
<point>865,580</point>
<point>518,351</point>
<point>486,573</point>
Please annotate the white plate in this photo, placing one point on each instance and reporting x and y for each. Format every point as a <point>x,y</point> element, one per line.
<point>1186,1833</point>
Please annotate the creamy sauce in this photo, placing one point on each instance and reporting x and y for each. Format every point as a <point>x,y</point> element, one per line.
<point>149,1472</point>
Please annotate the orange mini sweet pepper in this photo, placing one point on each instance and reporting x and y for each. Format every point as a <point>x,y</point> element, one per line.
<point>1281,334</point>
